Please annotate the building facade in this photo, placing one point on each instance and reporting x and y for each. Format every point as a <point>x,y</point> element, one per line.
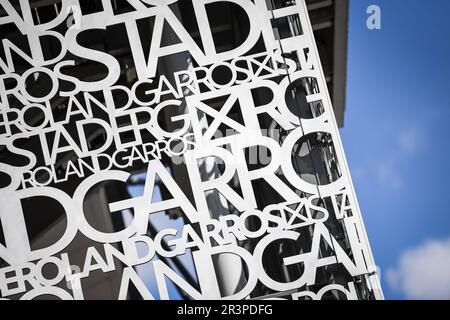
<point>164,149</point>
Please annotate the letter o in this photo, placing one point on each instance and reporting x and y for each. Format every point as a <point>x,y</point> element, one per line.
<point>159,2</point>
<point>292,175</point>
<point>49,95</point>
<point>47,170</point>
<point>230,69</point>
<point>34,106</point>
<point>60,273</point>
<point>261,230</point>
<point>53,291</point>
<point>176,139</point>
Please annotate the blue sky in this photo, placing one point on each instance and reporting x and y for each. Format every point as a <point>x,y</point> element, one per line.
<point>396,140</point>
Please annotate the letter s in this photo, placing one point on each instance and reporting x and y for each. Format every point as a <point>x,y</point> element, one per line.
<point>107,60</point>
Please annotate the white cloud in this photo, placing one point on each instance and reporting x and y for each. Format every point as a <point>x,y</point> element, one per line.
<point>411,139</point>
<point>388,174</point>
<point>423,272</point>
<point>387,167</point>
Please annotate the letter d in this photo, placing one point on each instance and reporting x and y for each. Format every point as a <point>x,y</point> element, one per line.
<point>17,249</point>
